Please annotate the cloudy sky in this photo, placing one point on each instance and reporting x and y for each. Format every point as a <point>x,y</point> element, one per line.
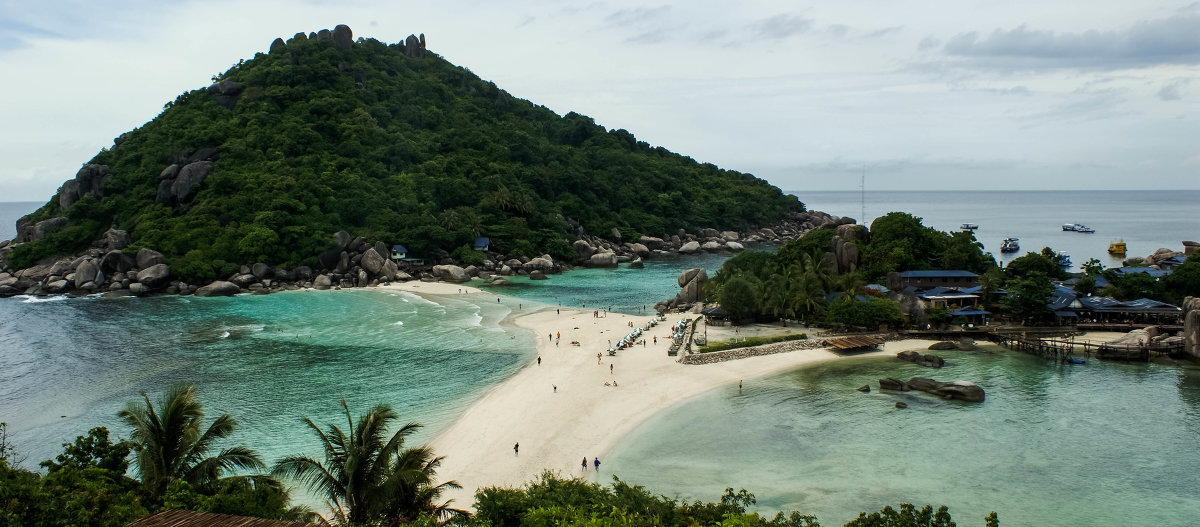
<point>955,94</point>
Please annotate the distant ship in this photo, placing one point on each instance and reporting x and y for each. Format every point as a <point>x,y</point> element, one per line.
<point>1010,245</point>
<point>969,226</point>
<point>1078,227</point>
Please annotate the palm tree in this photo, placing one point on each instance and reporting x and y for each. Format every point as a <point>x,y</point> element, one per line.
<point>171,445</point>
<point>778,294</point>
<point>368,478</point>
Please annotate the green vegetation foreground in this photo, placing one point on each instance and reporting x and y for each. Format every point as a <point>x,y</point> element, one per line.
<point>369,477</point>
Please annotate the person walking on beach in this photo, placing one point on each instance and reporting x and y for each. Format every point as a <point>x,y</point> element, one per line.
<point>539,360</point>
<point>516,449</point>
<point>584,463</point>
<point>555,387</point>
<point>596,461</point>
<point>597,358</point>
<point>610,368</point>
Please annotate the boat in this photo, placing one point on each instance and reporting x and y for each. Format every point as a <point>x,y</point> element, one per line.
<point>1076,360</point>
<point>1068,226</point>
<point>1077,227</point>
<point>1063,259</point>
<point>1117,248</point>
<point>1010,245</point>
<point>969,226</point>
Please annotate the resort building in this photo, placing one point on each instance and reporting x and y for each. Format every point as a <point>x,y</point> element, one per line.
<point>930,279</point>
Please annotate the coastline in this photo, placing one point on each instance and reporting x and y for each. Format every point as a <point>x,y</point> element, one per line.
<point>557,428</point>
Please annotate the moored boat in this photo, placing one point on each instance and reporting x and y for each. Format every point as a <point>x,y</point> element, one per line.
<point>969,226</point>
<point>1117,248</point>
<point>1068,226</point>
<point>1010,245</point>
<point>1077,227</point>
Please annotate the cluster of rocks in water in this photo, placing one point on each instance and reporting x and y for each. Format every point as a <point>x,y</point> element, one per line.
<point>351,262</point>
<point>1155,259</point>
<point>957,390</point>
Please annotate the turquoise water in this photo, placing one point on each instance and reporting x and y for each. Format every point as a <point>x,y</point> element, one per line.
<point>621,290</point>
<point>71,364</point>
<point>1051,445</point>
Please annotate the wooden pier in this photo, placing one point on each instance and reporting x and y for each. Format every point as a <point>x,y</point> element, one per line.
<point>1069,349</point>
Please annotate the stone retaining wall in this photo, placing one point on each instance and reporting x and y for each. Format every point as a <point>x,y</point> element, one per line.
<point>752,351</point>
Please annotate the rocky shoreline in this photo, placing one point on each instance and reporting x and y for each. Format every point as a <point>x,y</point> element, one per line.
<point>107,267</point>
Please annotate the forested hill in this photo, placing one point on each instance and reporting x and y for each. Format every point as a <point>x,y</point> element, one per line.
<point>391,142</point>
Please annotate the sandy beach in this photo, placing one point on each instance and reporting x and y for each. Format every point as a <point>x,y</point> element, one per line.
<point>560,410</point>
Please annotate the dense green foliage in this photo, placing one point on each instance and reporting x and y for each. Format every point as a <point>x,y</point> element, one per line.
<point>554,501</point>
<point>899,242</point>
<point>368,477</point>
<point>801,280</point>
<point>412,151</point>
<point>1184,281</point>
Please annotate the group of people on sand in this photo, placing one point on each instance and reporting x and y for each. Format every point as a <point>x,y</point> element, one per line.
<point>595,461</point>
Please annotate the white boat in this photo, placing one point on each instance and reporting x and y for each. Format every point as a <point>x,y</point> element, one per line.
<point>1064,259</point>
<point>1078,227</point>
<point>1068,226</point>
<point>969,226</point>
<point>1010,245</point>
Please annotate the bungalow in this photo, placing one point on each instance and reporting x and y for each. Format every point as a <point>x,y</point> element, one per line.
<point>928,279</point>
<point>481,244</point>
<point>1154,273</point>
<point>400,253</point>
<point>1142,310</point>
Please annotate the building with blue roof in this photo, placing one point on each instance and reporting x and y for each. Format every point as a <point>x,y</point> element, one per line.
<point>1155,273</point>
<point>481,243</point>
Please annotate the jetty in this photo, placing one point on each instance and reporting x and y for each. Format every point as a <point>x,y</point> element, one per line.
<point>1067,349</point>
<point>855,343</point>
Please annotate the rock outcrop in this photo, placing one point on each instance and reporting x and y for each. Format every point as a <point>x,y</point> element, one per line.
<point>957,390</point>
<point>227,92</point>
<point>414,46</point>
<point>1191,326</point>
<point>89,181</point>
<point>343,38</point>
<point>178,187</point>
<point>218,288</point>
<point>450,273</point>
<point>928,360</point>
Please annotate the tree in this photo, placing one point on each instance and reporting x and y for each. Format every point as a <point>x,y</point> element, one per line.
<point>1086,285</point>
<point>172,445</point>
<point>989,282</point>
<point>1036,263</point>
<point>1092,267</point>
<point>1184,280</point>
<point>369,478</point>
<point>1027,296</point>
<point>740,297</point>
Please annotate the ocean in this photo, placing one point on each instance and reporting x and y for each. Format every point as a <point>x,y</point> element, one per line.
<point>1051,446</point>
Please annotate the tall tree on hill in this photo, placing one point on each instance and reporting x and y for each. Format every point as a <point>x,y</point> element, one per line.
<point>171,444</point>
<point>368,477</point>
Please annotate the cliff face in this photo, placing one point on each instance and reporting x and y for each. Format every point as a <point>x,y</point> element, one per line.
<point>1191,326</point>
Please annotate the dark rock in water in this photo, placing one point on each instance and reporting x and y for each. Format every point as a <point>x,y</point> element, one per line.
<point>866,388</point>
<point>8,290</point>
<point>537,275</point>
<point>928,360</point>
<point>137,289</point>
<point>58,286</point>
<point>147,258</point>
<point>218,288</point>
<point>960,390</point>
<point>637,263</point>
<point>155,276</point>
<point>277,45</point>
<point>901,404</point>
<point>343,38</point>
<point>890,383</point>
<point>944,345</point>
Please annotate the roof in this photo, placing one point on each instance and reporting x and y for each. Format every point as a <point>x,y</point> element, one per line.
<point>715,311</point>
<point>876,287</point>
<point>1143,305</point>
<point>1066,314</point>
<point>177,518</point>
<point>482,241</point>
<point>861,341</point>
<point>1174,260</point>
<point>938,274</point>
<point>1156,273</point>
<point>968,312</point>
<point>978,290</point>
<point>399,248</point>
<point>1062,297</point>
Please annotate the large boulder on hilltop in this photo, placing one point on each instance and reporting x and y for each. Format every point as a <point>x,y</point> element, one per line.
<point>90,180</point>
<point>343,38</point>
<point>373,262</point>
<point>218,288</point>
<point>147,258</point>
<point>277,45</point>
<point>190,176</point>
<point>450,273</point>
<point>689,247</point>
<point>155,276</point>
<point>414,47</point>
<point>226,92</point>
